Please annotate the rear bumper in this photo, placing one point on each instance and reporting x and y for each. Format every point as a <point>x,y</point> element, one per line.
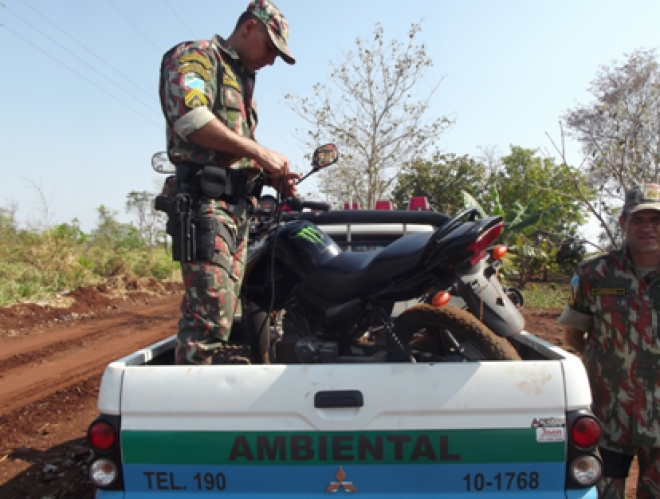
<point>569,494</point>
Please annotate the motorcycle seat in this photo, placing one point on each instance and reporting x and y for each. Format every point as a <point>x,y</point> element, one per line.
<point>351,274</point>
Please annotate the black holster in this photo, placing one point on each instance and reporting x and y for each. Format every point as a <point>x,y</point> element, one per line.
<point>180,225</point>
<point>193,236</point>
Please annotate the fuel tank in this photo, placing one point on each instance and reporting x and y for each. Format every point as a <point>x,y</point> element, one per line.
<point>300,247</point>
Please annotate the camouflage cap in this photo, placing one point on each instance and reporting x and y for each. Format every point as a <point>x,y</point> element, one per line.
<point>275,22</point>
<point>642,197</point>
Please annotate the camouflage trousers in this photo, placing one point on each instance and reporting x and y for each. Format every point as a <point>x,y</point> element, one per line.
<point>211,293</point>
<point>648,481</point>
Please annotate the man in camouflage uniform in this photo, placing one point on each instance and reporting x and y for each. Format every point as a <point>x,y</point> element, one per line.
<point>612,319</point>
<point>206,93</point>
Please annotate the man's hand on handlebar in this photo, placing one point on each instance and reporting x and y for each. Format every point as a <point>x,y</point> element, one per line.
<point>287,185</point>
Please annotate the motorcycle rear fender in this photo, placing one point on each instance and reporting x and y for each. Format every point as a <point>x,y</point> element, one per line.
<point>483,296</point>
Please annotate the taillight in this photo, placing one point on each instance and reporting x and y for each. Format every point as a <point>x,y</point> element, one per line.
<point>101,435</point>
<point>479,247</point>
<point>585,433</point>
<point>583,465</point>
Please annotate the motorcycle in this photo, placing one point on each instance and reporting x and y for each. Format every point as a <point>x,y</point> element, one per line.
<point>306,301</point>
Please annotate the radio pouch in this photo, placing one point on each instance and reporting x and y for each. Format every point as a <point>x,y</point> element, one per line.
<point>236,185</point>
<point>213,181</point>
<point>222,183</point>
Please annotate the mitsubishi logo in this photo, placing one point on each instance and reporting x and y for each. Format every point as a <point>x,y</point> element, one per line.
<point>340,483</point>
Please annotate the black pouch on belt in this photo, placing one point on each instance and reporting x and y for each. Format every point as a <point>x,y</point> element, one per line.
<point>615,464</point>
<point>222,183</point>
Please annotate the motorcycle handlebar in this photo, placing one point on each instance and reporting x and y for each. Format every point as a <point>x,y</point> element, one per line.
<point>297,204</point>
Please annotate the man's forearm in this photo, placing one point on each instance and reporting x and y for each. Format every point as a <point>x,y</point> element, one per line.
<point>215,135</point>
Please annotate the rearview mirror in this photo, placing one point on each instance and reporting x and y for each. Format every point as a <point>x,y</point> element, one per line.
<point>324,156</point>
<point>161,163</point>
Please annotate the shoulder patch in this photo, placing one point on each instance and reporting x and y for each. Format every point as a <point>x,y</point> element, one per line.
<point>195,99</point>
<point>229,78</point>
<point>198,69</point>
<point>195,57</point>
<point>191,80</point>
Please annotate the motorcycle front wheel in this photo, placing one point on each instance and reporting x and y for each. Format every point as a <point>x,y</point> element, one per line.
<point>449,334</point>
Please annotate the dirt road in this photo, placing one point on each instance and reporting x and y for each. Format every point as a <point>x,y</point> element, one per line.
<point>51,361</point>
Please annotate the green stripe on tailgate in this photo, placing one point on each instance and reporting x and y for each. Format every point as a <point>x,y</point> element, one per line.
<point>367,447</point>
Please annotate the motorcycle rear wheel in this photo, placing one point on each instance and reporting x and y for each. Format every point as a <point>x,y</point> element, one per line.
<point>424,330</point>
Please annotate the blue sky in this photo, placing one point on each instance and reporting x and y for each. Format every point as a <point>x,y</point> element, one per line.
<point>80,115</point>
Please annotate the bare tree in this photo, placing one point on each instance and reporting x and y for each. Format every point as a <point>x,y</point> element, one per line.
<point>375,120</point>
<point>148,219</point>
<point>491,157</point>
<point>620,130</point>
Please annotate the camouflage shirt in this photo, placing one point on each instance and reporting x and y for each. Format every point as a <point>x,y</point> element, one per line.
<point>622,353</point>
<point>199,81</point>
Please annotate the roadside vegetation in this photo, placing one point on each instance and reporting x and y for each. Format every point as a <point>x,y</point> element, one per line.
<point>38,263</point>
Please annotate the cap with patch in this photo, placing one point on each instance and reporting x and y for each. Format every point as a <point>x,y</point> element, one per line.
<point>642,197</point>
<point>278,28</point>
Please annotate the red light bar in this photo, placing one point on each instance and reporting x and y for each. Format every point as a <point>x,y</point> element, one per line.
<point>384,205</point>
<point>355,206</point>
<point>420,203</point>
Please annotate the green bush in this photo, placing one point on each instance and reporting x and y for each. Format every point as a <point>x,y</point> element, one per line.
<point>36,265</point>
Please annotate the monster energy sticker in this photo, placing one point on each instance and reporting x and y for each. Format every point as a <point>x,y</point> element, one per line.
<point>312,235</point>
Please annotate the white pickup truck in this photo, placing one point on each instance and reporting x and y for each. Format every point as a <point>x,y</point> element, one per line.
<point>447,430</point>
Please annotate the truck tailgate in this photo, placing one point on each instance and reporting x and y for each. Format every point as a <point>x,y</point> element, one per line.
<point>406,430</point>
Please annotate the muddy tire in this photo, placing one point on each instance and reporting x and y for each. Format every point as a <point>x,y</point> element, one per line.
<point>424,328</point>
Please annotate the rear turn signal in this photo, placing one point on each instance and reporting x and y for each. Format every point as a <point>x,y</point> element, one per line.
<point>499,251</point>
<point>101,435</point>
<point>441,299</point>
<point>585,433</point>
